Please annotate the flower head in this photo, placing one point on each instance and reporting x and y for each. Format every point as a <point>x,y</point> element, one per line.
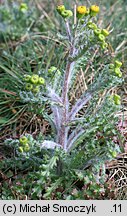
<point>60,8</point>
<point>94,10</point>
<point>81,10</point>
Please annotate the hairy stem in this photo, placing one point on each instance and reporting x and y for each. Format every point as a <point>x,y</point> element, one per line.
<point>68,31</point>
<point>79,105</point>
<point>74,138</point>
<point>69,68</point>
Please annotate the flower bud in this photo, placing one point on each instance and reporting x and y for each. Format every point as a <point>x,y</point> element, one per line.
<point>118,72</point>
<point>23,7</point>
<point>54,69</point>
<point>117,99</point>
<point>105,32</point>
<point>23,140</point>
<point>34,79</point>
<point>97,31</point>
<point>101,37</point>
<point>66,13</point>
<point>29,87</point>
<point>26,147</point>
<point>92,26</point>
<point>111,66</point>
<point>118,64</point>
<point>41,81</point>
<point>104,45</point>
<point>20,149</point>
<point>36,89</point>
<point>27,78</point>
<point>70,13</point>
<point>60,8</point>
<point>87,12</point>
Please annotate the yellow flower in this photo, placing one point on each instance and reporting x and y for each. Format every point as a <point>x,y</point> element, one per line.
<point>81,10</point>
<point>94,9</point>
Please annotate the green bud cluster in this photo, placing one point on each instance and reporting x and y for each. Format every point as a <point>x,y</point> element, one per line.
<point>33,83</point>
<point>24,146</point>
<point>101,34</point>
<point>23,7</point>
<point>91,25</point>
<point>63,12</point>
<point>115,68</point>
<point>54,69</point>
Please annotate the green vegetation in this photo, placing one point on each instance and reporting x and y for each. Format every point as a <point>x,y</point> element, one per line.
<point>62,85</point>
